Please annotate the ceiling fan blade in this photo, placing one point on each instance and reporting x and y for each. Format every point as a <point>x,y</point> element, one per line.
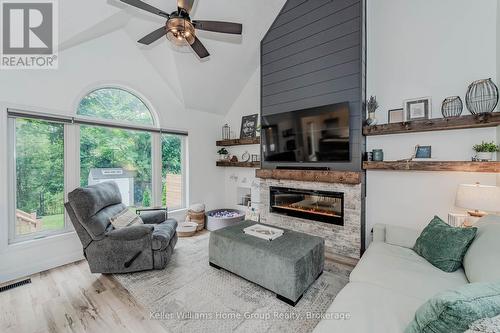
<point>154,36</point>
<point>217,26</point>
<point>187,5</point>
<point>144,6</point>
<point>200,50</point>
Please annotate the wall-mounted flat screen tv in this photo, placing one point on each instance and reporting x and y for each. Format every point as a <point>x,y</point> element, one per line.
<point>319,134</point>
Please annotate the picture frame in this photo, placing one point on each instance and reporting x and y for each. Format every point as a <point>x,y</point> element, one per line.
<point>422,152</point>
<point>249,126</point>
<point>417,108</point>
<point>396,116</point>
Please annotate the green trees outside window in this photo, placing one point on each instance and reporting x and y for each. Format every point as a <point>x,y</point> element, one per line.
<point>115,104</point>
<point>172,179</point>
<point>39,167</point>
<point>125,154</point>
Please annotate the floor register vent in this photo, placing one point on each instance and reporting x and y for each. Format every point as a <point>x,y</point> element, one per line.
<point>15,285</point>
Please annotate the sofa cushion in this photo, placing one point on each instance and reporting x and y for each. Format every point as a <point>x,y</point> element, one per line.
<point>444,246</point>
<point>125,219</point>
<point>395,268</point>
<point>369,308</point>
<point>481,260</point>
<point>401,236</point>
<point>163,233</point>
<point>455,310</point>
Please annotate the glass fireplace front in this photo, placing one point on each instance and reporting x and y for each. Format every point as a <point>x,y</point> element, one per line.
<point>327,207</point>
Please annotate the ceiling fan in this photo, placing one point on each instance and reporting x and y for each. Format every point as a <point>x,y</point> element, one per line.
<point>180,29</point>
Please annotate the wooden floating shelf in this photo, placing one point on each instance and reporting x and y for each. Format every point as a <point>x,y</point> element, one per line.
<point>238,164</point>
<point>341,177</point>
<point>437,124</point>
<point>487,167</point>
<point>238,142</point>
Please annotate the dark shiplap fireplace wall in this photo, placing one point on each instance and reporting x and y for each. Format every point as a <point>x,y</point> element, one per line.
<point>313,55</point>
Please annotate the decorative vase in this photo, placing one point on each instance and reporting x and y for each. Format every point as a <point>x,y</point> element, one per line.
<point>481,97</point>
<point>484,156</point>
<point>377,155</point>
<point>452,107</point>
<point>226,132</point>
<point>371,121</point>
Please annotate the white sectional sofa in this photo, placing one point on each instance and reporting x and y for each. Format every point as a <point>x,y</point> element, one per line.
<point>391,281</point>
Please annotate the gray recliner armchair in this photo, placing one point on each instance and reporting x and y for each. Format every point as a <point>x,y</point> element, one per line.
<point>110,250</point>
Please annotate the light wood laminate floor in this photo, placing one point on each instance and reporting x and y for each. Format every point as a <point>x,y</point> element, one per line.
<point>71,299</point>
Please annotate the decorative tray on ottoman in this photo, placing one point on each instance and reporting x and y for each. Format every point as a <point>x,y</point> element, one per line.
<point>263,231</point>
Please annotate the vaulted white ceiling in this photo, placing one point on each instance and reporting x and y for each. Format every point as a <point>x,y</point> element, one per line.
<point>212,84</point>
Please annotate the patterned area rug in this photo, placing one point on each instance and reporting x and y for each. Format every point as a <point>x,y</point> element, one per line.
<point>190,296</point>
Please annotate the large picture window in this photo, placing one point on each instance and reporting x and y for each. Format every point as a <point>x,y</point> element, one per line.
<point>114,137</point>
<point>125,156</point>
<point>39,177</point>
<point>122,156</point>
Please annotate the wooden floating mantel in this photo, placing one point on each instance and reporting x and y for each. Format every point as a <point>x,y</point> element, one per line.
<point>238,142</point>
<point>238,164</point>
<point>342,177</point>
<point>487,167</point>
<point>437,124</point>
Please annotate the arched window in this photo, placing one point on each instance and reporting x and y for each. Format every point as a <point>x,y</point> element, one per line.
<point>115,104</point>
<point>124,154</point>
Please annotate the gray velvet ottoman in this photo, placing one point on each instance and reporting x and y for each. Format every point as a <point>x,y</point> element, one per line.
<point>287,265</point>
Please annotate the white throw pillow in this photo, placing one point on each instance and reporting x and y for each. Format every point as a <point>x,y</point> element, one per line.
<point>481,260</point>
<point>125,219</point>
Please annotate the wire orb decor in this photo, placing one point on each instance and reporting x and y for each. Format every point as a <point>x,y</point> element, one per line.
<point>452,107</point>
<point>481,97</point>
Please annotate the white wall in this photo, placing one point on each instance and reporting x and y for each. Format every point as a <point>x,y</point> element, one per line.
<point>111,59</point>
<point>246,104</point>
<point>425,48</point>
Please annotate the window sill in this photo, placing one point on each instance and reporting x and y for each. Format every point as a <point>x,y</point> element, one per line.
<point>21,244</point>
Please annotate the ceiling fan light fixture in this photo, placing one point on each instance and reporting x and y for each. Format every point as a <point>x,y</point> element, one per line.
<point>180,31</point>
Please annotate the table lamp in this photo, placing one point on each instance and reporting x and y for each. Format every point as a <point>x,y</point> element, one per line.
<point>478,199</point>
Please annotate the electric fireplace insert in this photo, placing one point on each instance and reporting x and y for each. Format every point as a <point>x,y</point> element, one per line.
<point>322,206</point>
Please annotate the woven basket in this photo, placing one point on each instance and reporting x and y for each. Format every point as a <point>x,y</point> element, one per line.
<point>197,217</point>
<point>186,229</point>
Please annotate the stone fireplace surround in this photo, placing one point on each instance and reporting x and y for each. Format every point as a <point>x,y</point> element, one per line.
<point>340,241</point>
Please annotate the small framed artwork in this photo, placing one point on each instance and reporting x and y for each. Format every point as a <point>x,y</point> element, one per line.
<point>417,109</point>
<point>249,126</point>
<point>396,116</point>
<point>423,151</point>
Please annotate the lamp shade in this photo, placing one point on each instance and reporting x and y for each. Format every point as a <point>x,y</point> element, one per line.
<point>478,197</point>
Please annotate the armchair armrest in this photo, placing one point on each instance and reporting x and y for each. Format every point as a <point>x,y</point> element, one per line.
<point>153,215</point>
<point>395,235</point>
<point>131,233</point>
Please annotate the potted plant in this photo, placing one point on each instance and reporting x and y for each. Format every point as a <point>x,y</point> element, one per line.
<point>371,107</point>
<point>223,154</point>
<point>485,150</point>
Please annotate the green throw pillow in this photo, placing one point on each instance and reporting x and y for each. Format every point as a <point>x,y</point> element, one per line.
<point>453,311</point>
<point>444,246</point>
